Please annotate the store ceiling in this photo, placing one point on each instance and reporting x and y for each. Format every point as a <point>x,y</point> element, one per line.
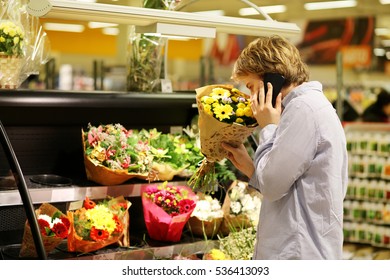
<point>295,11</point>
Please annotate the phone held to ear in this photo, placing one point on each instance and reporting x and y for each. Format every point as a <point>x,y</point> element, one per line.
<point>277,81</point>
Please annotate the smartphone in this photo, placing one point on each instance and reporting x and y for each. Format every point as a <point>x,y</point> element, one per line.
<point>277,81</point>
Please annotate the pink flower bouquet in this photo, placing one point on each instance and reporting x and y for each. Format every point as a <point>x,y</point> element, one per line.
<point>166,210</point>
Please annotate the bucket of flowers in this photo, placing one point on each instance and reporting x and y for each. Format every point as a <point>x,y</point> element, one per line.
<point>225,115</point>
<point>241,208</point>
<point>11,53</point>
<point>97,225</point>
<point>167,209</point>
<point>54,227</point>
<point>207,217</point>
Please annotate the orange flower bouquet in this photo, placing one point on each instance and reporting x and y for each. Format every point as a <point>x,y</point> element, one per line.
<point>97,225</point>
<point>54,227</point>
<point>166,210</point>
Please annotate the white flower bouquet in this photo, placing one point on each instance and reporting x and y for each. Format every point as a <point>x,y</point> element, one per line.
<point>207,217</point>
<point>241,208</point>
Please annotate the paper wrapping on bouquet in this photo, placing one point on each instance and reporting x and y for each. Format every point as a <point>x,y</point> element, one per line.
<point>159,224</point>
<point>49,242</point>
<point>213,132</point>
<point>204,228</point>
<point>77,244</point>
<point>105,176</point>
<point>163,172</point>
<point>10,69</point>
<point>230,221</point>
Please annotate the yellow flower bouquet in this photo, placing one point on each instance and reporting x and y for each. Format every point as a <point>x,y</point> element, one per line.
<point>224,116</point>
<point>11,38</point>
<point>11,53</point>
<point>97,225</point>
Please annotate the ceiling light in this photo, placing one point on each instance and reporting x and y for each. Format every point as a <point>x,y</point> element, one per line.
<point>65,27</point>
<point>384,2</point>
<point>168,29</point>
<point>379,52</point>
<point>266,9</point>
<point>329,5</point>
<point>94,24</point>
<point>211,13</point>
<point>113,31</point>
<point>385,43</point>
<point>382,31</point>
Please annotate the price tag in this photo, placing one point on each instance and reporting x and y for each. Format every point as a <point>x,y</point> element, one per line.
<point>166,85</point>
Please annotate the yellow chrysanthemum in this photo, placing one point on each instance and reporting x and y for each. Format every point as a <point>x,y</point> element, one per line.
<point>217,254</point>
<point>207,109</point>
<point>240,112</point>
<point>241,105</point>
<point>248,112</point>
<point>101,218</point>
<point>223,111</point>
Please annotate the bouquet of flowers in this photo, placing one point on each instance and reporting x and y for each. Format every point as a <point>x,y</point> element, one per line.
<point>11,38</point>
<point>239,245</point>
<point>169,157</point>
<point>113,154</point>
<point>23,44</point>
<point>224,116</point>
<point>241,208</point>
<point>97,225</point>
<point>54,227</point>
<point>167,209</point>
<point>207,216</point>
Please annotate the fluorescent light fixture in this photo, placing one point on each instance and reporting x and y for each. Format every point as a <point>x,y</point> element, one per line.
<point>129,15</point>
<point>379,52</point>
<point>94,24</point>
<point>329,5</point>
<point>64,27</point>
<point>275,9</point>
<point>385,43</point>
<point>382,31</point>
<point>113,31</point>
<point>211,13</point>
<point>384,2</point>
<point>87,1</point>
<point>168,29</point>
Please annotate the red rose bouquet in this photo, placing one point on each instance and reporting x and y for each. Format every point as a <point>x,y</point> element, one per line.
<point>54,227</point>
<point>166,210</point>
<point>97,225</point>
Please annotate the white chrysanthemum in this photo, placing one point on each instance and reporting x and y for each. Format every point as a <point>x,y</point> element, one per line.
<point>235,207</point>
<point>45,217</point>
<point>247,203</point>
<point>207,209</point>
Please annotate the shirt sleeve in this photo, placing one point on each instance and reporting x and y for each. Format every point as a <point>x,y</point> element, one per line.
<point>283,158</point>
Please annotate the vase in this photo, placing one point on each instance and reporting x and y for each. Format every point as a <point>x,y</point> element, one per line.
<point>145,57</point>
<point>10,69</point>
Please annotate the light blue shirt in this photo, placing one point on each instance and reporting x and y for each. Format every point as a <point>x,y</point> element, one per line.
<point>302,172</point>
